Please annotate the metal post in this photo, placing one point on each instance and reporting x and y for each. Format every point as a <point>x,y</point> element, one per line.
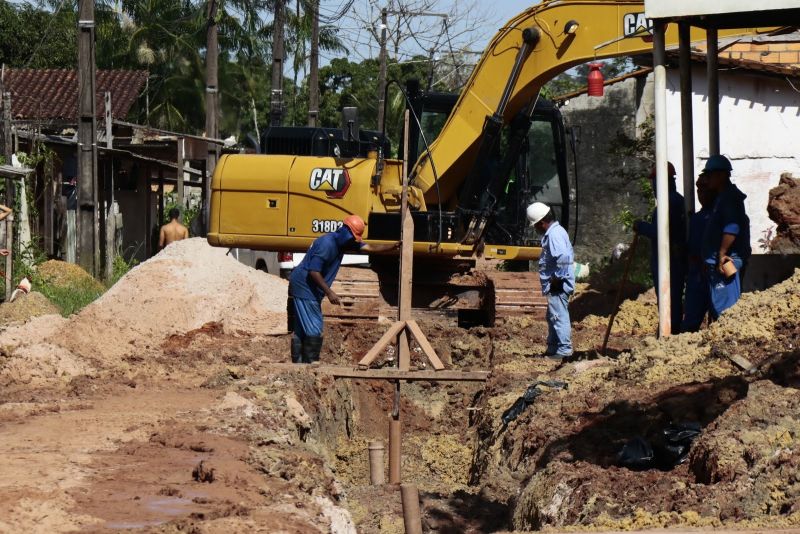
<point>276,93</point>
<point>7,148</point>
<point>212,100</point>
<point>88,242</point>
<point>394,450</point>
<point>712,58</point>
<point>662,185</point>
<point>181,142</point>
<point>313,78</point>
<point>382,70</point>
<point>409,494</point>
<point>109,218</point>
<point>687,134</point>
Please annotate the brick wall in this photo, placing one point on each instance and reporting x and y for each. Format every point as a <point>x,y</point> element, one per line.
<point>774,53</point>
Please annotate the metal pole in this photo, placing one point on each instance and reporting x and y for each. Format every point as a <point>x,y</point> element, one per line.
<point>712,74</point>
<point>108,228</point>
<point>412,519</point>
<point>212,100</point>
<point>687,122</point>
<point>313,77</point>
<point>394,449</point>
<point>662,185</point>
<point>181,142</point>
<point>276,95</point>
<point>7,148</point>
<point>88,242</point>
<point>382,70</point>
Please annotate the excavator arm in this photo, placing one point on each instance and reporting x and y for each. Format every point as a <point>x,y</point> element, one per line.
<point>530,50</point>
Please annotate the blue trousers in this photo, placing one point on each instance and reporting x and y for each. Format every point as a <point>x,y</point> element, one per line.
<point>559,330</point>
<point>307,318</point>
<point>724,292</point>
<point>698,300</point>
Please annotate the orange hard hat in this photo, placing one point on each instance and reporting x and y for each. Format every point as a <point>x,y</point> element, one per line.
<point>356,225</point>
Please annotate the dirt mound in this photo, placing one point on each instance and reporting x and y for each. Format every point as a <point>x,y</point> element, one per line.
<point>636,317</point>
<point>784,209</point>
<point>740,470</point>
<point>64,275</point>
<point>24,307</point>
<point>185,286</point>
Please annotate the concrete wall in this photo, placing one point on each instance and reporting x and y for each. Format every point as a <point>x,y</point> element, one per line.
<point>759,129</point>
<point>603,192</point>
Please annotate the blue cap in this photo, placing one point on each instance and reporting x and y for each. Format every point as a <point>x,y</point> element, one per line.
<point>718,163</point>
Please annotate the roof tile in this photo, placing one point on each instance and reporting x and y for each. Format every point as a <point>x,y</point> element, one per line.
<point>52,94</point>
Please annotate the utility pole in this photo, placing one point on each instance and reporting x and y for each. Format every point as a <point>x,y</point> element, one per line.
<point>212,104</point>
<point>276,102</point>
<point>88,242</point>
<point>382,71</point>
<point>313,79</point>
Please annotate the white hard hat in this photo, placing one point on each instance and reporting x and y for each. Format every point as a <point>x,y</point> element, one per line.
<point>537,211</point>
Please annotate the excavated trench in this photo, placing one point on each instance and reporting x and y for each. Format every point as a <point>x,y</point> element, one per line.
<point>285,448</point>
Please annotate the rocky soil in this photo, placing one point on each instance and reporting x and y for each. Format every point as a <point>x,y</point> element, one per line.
<point>784,209</point>
<point>168,406</point>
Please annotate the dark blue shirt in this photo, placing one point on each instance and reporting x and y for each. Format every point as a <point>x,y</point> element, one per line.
<point>694,245</point>
<point>728,216</point>
<point>677,234</point>
<point>325,257</point>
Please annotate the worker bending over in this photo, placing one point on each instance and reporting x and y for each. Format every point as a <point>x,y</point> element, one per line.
<point>726,238</point>
<point>557,274</point>
<point>677,246</point>
<point>311,281</point>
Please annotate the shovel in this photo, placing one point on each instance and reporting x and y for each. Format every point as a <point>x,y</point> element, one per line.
<point>631,253</point>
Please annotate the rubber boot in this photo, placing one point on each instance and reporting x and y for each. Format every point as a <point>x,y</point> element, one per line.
<point>312,346</point>
<point>297,350</point>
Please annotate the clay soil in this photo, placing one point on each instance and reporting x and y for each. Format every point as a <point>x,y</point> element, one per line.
<point>165,408</point>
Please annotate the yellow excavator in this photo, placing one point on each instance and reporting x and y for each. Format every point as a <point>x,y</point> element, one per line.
<point>468,189</point>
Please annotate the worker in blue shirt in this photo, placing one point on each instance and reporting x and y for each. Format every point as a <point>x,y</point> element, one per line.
<point>697,300</point>
<point>557,275</point>
<point>677,246</point>
<point>726,237</point>
<point>311,281</point>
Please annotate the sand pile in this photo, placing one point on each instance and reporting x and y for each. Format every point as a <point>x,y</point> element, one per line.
<point>24,307</point>
<point>184,287</point>
<point>61,274</point>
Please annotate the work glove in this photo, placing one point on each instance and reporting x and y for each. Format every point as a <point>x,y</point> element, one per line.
<point>556,286</point>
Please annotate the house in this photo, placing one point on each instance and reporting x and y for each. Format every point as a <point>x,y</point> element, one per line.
<point>759,87</point>
<point>137,165</point>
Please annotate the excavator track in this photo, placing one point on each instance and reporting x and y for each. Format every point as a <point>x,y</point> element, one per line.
<point>491,295</point>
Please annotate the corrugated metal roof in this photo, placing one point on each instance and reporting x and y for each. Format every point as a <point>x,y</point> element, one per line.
<point>52,94</point>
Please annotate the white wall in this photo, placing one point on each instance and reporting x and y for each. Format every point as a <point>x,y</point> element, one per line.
<point>759,133</point>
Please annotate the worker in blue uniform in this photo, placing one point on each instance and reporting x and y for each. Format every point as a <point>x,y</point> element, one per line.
<point>677,246</point>
<point>557,275</point>
<point>698,299</point>
<point>726,238</point>
<point>311,281</point>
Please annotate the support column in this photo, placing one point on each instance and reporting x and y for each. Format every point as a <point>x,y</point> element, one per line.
<point>662,185</point>
<point>179,177</point>
<point>712,59</point>
<point>687,121</point>
<point>382,71</point>
<point>212,103</point>
<point>88,242</point>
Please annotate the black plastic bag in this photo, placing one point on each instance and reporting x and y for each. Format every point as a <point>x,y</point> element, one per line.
<point>527,398</point>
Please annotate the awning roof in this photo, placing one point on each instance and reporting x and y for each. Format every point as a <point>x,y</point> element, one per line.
<point>726,13</point>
